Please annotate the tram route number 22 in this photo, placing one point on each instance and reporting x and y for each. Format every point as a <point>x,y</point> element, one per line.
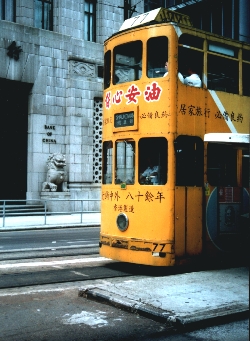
<point>161,246</point>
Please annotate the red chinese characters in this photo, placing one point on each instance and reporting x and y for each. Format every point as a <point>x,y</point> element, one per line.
<point>152,92</point>
<point>132,93</point>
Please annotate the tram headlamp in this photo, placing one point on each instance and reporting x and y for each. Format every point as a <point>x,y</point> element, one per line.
<point>122,222</point>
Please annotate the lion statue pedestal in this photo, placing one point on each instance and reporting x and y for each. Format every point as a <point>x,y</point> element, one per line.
<point>54,190</point>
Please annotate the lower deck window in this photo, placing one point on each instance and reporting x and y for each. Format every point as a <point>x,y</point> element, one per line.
<point>153,161</point>
<point>125,162</point>
<point>107,162</point>
<point>221,165</point>
<point>189,161</point>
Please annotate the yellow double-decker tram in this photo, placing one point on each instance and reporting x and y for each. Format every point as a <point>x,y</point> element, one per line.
<point>175,182</point>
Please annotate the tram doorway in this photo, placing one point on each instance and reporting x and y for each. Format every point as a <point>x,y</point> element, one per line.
<point>13,138</point>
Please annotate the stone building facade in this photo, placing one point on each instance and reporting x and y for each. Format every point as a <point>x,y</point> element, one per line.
<point>51,85</point>
<point>51,95</point>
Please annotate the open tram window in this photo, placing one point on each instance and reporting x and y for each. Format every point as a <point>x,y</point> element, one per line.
<point>157,56</point>
<point>127,62</point>
<point>125,162</point>
<point>153,160</point>
<point>246,79</point>
<point>190,59</point>
<point>107,162</point>
<point>189,160</point>
<point>223,74</point>
<point>221,165</point>
<point>107,69</point>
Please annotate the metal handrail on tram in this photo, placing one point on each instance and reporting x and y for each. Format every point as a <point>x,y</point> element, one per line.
<point>18,209</point>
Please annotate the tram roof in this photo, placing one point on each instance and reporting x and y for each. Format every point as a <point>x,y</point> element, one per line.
<point>158,15</point>
<point>227,138</point>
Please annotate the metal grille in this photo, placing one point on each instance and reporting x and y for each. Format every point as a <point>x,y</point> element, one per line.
<point>97,141</point>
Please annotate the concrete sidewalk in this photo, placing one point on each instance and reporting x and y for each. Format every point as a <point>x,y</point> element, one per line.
<point>52,221</point>
<point>181,300</point>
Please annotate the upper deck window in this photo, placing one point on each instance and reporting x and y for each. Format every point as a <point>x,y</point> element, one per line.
<point>107,69</point>
<point>188,40</point>
<point>157,56</point>
<point>127,62</point>
<point>223,74</point>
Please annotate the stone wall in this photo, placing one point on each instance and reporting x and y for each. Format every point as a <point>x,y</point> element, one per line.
<point>63,71</point>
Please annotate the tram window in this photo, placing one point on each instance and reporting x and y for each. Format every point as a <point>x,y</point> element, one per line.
<point>157,55</point>
<point>245,168</point>
<point>246,55</point>
<point>153,161</point>
<point>189,160</point>
<point>221,165</point>
<point>223,74</point>
<point>107,69</point>
<point>189,40</point>
<point>245,79</point>
<point>107,162</point>
<point>190,58</point>
<point>125,162</point>
<point>127,62</point>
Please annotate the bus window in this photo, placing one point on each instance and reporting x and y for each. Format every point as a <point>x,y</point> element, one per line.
<point>107,69</point>
<point>153,161</point>
<point>125,162</point>
<point>221,165</point>
<point>189,58</point>
<point>245,79</point>
<point>189,161</point>
<point>223,74</point>
<point>127,62</point>
<point>107,162</point>
<point>157,56</point>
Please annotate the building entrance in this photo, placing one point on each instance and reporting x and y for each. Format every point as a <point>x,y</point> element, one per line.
<point>13,139</point>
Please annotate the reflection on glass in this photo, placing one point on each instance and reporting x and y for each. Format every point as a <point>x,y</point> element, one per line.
<point>125,162</point>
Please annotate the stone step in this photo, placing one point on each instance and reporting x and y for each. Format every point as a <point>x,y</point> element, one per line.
<point>22,210</point>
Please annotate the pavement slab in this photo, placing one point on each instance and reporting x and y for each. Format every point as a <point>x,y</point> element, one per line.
<point>179,300</point>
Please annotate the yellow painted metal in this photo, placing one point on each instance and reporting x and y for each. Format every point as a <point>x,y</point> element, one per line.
<point>180,221</point>
<point>194,221</point>
<point>177,220</point>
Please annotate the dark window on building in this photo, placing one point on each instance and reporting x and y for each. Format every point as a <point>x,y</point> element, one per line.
<point>90,20</point>
<point>221,165</point>
<point>44,14</point>
<point>153,161</point>
<point>100,71</point>
<point>189,160</point>
<point>156,61</point>
<point>8,10</point>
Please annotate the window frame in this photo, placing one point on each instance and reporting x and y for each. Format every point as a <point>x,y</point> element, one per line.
<point>42,12</point>
<point>90,20</point>
<point>4,14</point>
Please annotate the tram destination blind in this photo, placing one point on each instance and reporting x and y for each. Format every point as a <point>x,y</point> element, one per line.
<point>125,119</point>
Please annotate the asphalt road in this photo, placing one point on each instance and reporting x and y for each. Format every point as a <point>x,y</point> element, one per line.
<point>32,310</point>
<point>49,242</point>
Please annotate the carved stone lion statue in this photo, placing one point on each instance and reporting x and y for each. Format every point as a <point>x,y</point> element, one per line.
<point>56,175</point>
